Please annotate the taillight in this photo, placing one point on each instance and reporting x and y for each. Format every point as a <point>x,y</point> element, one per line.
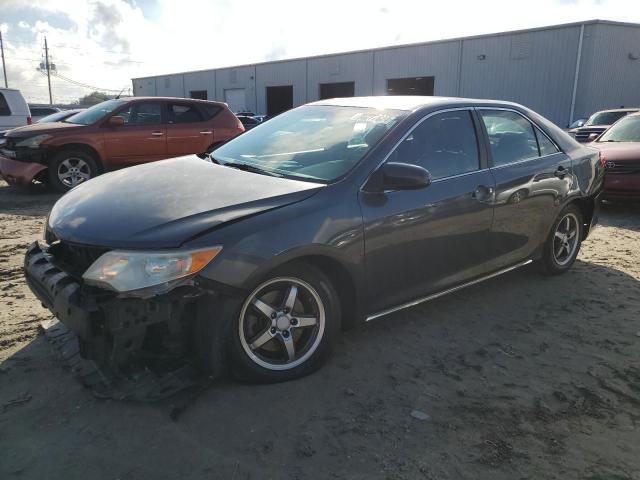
<point>29,121</point>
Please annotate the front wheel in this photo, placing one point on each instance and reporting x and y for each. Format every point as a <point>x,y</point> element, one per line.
<point>285,327</point>
<point>70,168</point>
<point>563,244</point>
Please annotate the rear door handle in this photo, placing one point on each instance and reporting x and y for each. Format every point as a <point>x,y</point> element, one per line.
<point>561,172</point>
<point>206,132</point>
<point>482,193</point>
<point>157,134</point>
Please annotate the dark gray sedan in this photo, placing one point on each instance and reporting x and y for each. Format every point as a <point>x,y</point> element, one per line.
<point>331,214</point>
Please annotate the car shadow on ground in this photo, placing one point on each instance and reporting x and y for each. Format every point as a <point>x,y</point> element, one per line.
<point>522,375</point>
<point>621,214</point>
<point>33,200</point>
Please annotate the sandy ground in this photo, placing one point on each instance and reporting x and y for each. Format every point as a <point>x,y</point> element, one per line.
<point>522,377</point>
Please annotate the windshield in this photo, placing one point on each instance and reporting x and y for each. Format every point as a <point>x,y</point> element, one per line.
<point>315,142</point>
<point>626,130</point>
<point>54,117</point>
<point>604,118</point>
<point>93,114</point>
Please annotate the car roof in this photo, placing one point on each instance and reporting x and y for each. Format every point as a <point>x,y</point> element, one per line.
<point>407,102</point>
<point>637,109</point>
<point>197,100</point>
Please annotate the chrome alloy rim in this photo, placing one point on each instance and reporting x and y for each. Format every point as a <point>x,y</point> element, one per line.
<point>281,323</point>
<point>565,240</point>
<point>73,171</point>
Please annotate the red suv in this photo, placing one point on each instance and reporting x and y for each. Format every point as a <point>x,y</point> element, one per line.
<point>114,134</point>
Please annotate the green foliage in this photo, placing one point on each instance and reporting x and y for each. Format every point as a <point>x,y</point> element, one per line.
<point>94,98</point>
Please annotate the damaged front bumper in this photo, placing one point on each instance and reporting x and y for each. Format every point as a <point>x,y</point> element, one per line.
<point>112,331</point>
<point>16,172</point>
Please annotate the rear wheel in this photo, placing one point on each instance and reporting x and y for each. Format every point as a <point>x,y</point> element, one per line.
<point>285,327</point>
<point>70,168</point>
<point>562,247</point>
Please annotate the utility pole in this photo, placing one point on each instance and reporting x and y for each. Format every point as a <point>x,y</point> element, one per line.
<point>46,64</point>
<point>4,66</point>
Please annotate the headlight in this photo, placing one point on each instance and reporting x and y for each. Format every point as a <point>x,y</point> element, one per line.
<point>124,271</point>
<point>33,142</point>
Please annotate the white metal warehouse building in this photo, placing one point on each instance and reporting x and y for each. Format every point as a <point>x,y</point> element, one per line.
<point>564,72</point>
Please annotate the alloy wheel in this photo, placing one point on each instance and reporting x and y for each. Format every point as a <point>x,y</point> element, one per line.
<point>282,323</point>
<point>73,171</point>
<point>565,241</point>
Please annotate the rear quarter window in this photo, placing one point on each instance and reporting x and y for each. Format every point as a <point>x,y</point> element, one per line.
<point>209,111</point>
<point>4,106</point>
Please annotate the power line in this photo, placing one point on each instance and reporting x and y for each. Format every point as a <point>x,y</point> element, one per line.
<point>113,52</point>
<point>85,85</point>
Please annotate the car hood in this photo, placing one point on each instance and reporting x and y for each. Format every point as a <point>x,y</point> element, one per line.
<point>41,128</point>
<point>618,151</point>
<point>164,204</point>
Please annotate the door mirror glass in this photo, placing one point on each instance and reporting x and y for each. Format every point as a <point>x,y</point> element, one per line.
<point>404,176</point>
<point>116,121</point>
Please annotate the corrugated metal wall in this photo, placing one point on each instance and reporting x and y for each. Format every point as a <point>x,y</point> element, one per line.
<point>200,81</point>
<point>278,74</point>
<point>610,70</point>
<point>439,60</point>
<point>535,68</point>
<point>351,67</point>
<point>237,78</point>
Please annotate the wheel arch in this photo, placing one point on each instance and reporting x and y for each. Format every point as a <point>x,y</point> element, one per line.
<point>587,206</point>
<point>83,147</point>
<point>344,281</point>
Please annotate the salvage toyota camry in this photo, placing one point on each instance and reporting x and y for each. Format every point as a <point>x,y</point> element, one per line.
<point>331,214</point>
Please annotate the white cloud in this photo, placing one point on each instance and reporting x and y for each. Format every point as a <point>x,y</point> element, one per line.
<point>102,41</point>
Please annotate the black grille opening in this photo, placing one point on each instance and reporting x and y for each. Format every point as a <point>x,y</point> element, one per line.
<point>75,259</point>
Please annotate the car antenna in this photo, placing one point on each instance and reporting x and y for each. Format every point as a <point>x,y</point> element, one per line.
<point>118,96</point>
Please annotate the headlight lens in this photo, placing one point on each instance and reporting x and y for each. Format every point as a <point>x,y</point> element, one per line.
<point>124,271</point>
<point>33,142</point>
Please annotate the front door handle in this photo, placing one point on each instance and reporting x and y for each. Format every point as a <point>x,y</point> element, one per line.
<point>206,132</point>
<point>561,172</point>
<point>482,193</point>
<point>157,134</point>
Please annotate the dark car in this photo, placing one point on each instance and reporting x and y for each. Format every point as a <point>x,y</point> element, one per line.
<point>39,111</point>
<point>111,135</point>
<point>620,152</point>
<point>60,116</point>
<point>331,214</point>
<point>248,122</point>
<point>598,123</point>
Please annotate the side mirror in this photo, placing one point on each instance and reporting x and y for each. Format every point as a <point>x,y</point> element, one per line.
<point>403,176</point>
<point>593,136</point>
<point>116,121</point>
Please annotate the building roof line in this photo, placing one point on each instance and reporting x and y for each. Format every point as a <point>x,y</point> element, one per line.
<point>404,45</point>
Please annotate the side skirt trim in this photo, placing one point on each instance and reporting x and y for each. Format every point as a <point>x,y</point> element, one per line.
<point>418,301</point>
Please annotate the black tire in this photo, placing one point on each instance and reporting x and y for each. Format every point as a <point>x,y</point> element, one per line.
<point>551,262</point>
<point>86,163</point>
<point>316,340</point>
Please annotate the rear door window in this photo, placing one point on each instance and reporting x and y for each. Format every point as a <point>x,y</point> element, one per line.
<point>182,113</point>
<point>511,136</point>
<point>445,144</point>
<point>209,111</point>
<point>142,113</point>
<point>4,106</point>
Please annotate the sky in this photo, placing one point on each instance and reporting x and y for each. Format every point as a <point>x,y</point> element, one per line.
<point>102,44</point>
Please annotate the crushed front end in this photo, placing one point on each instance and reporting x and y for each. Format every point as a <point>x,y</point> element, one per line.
<point>121,334</point>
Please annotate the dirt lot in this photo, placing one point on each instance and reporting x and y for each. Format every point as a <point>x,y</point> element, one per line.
<point>522,377</point>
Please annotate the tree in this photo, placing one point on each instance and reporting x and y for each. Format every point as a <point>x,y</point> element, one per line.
<point>93,98</point>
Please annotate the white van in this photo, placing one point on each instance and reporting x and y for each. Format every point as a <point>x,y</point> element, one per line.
<point>14,111</point>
